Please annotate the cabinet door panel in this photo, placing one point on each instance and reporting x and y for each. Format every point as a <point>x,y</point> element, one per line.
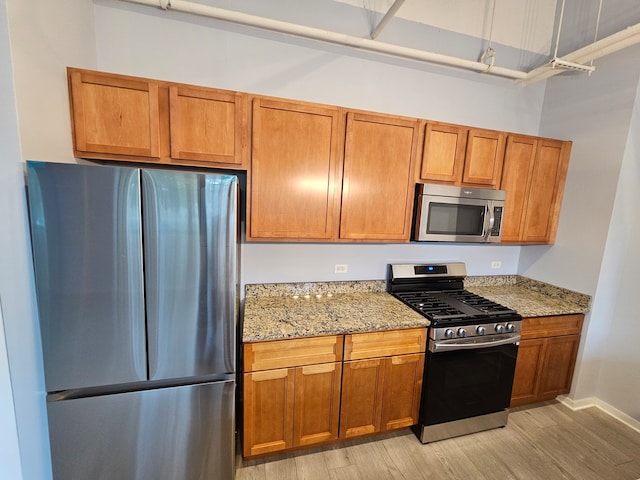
<point>113,114</point>
<point>206,125</point>
<point>317,403</point>
<point>443,152</point>
<point>377,189</point>
<point>361,397</point>
<point>519,159</point>
<point>484,157</point>
<point>544,178</point>
<point>268,411</point>
<point>559,362</point>
<point>402,391</point>
<point>528,369</point>
<point>294,171</point>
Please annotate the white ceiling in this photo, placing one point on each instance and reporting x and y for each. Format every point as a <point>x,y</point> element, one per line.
<point>522,24</point>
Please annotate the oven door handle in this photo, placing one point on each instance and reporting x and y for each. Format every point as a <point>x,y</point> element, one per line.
<point>448,345</point>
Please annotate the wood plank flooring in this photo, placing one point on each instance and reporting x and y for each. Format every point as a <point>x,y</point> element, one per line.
<point>547,441</point>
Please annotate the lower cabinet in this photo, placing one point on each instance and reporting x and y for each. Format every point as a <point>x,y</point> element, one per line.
<point>380,394</point>
<point>291,407</point>
<point>298,392</point>
<point>546,358</point>
<point>382,380</point>
<point>294,406</point>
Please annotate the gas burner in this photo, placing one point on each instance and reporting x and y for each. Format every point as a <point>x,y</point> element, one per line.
<point>440,296</point>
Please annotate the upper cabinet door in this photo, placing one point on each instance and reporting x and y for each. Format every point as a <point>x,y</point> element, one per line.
<point>519,159</point>
<point>378,181</point>
<point>443,153</point>
<point>206,125</point>
<point>113,114</point>
<point>545,192</point>
<point>294,171</point>
<point>484,157</point>
<point>533,176</point>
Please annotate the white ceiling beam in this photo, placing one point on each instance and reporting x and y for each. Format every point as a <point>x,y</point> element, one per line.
<point>387,17</point>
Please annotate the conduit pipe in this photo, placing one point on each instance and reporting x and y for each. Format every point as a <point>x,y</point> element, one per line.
<point>328,36</point>
<point>612,43</point>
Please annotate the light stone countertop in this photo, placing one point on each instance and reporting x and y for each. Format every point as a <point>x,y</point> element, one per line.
<point>312,309</point>
<point>287,310</point>
<point>530,298</point>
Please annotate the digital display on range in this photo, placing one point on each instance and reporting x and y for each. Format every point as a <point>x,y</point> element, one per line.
<point>430,269</point>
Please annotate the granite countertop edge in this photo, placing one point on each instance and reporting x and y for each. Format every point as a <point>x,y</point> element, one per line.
<point>280,311</point>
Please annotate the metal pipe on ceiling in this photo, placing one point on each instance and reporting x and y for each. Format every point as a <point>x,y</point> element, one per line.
<point>617,41</point>
<point>327,36</point>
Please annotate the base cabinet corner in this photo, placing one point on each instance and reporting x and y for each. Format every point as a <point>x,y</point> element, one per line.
<point>546,358</point>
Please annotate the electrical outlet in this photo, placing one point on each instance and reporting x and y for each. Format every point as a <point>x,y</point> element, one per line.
<point>496,264</point>
<point>340,268</point>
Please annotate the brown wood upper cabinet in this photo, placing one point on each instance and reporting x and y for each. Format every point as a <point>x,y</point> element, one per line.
<point>461,155</point>
<point>295,176</point>
<point>206,125</point>
<point>113,114</point>
<point>117,117</point>
<point>378,182</point>
<point>533,176</point>
<point>302,189</point>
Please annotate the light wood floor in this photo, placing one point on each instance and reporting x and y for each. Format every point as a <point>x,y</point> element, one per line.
<point>547,442</point>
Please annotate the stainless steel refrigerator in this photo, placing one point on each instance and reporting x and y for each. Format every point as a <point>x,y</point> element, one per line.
<point>136,278</point>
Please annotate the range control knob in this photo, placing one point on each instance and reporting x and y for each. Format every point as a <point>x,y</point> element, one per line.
<point>510,327</point>
<point>499,328</point>
<point>462,332</point>
<point>448,333</point>
<point>481,330</point>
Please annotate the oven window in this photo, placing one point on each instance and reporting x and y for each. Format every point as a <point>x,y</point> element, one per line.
<point>466,383</point>
<point>455,219</point>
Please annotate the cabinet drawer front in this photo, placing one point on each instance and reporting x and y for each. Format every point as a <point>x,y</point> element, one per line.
<point>384,344</point>
<point>537,327</point>
<point>292,352</point>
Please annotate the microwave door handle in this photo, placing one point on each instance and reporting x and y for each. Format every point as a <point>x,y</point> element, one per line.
<point>492,220</point>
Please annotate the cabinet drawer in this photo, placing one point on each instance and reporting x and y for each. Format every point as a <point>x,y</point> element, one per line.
<point>538,327</point>
<point>292,352</point>
<point>385,343</point>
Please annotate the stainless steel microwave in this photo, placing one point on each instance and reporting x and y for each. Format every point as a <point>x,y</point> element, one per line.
<point>447,213</point>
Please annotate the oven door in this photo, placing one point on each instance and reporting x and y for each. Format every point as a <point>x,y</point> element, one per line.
<point>467,383</point>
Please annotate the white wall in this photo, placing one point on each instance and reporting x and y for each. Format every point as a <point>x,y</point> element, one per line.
<point>618,382</point>
<point>9,445</point>
<point>23,445</point>
<point>46,37</point>
<point>595,112</point>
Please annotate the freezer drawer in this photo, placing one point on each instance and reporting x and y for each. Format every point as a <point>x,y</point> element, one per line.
<point>184,432</point>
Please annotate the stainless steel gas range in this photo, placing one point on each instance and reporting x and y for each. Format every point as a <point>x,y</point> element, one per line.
<point>471,351</point>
